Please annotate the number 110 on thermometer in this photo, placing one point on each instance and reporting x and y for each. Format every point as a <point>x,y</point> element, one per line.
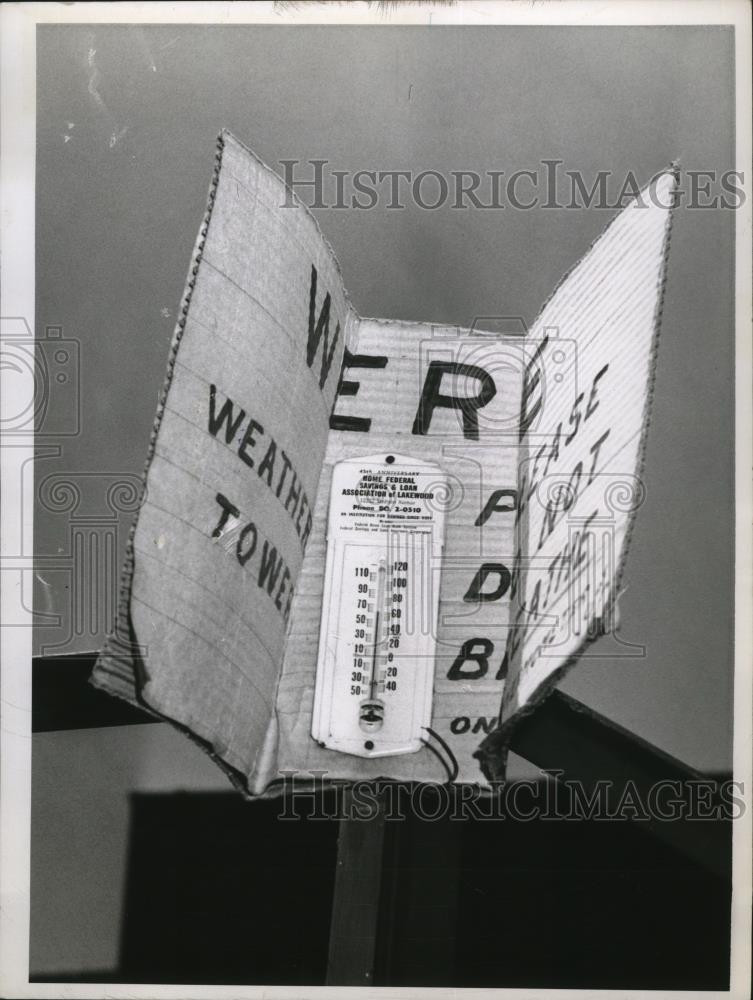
<point>375,667</point>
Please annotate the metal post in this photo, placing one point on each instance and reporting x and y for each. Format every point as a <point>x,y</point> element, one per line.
<point>355,904</point>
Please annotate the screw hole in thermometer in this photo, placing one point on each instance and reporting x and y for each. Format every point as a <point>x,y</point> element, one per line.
<point>375,666</point>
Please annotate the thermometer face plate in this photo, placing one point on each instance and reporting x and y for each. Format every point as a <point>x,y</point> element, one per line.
<point>375,668</point>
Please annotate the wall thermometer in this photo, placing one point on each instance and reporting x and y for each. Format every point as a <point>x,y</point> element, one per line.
<point>375,668</point>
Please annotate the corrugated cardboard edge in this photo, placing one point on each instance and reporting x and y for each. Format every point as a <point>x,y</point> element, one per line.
<point>120,669</point>
<point>492,752</point>
<point>125,674</point>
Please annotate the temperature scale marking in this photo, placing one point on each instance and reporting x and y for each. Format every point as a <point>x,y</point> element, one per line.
<point>375,666</point>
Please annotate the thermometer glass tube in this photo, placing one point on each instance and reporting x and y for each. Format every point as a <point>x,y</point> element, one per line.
<point>375,666</point>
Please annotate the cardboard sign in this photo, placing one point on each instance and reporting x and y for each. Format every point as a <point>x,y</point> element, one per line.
<point>233,467</point>
<point>272,380</point>
<point>406,377</point>
<point>219,620</point>
<point>583,423</point>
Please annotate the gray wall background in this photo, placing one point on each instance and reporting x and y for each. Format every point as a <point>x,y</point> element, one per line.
<point>118,205</point>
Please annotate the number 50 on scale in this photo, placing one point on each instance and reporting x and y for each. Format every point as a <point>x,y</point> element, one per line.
<point>375,666</point>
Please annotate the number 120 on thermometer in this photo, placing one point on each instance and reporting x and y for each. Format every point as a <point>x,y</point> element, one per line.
<point>375,666</point>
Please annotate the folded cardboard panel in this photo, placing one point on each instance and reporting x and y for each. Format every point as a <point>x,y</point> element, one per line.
<point>273,379</point>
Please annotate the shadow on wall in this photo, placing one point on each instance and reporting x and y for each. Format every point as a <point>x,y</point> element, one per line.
<point>221,891</point>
